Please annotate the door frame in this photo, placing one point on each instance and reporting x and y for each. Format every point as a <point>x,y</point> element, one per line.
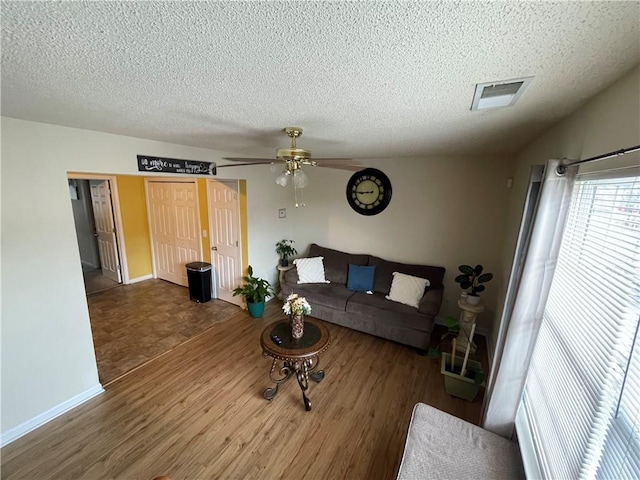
<point>148,180</point>
<point>241,233</point>
<point>117,217</point>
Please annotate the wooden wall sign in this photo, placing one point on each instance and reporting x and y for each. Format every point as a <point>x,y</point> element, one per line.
<point>175,165</point>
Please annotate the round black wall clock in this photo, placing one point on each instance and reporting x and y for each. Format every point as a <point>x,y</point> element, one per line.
<point>369,191</point>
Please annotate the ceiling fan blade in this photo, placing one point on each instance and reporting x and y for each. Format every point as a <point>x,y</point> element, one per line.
<point>244,164</point>
<point>341,163</point>
<point>254,160</point>
<point>344,166</point>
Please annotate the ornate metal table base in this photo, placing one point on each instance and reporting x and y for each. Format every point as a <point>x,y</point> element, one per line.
<point>303,370</point>
<point>297,358</point>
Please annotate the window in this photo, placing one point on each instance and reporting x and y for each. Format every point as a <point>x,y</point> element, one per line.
<point>581,403</point>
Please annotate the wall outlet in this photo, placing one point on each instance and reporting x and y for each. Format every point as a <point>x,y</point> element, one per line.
<point>282,213</point>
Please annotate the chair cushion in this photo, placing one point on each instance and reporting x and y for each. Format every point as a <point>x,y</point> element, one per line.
<point>440,445</point>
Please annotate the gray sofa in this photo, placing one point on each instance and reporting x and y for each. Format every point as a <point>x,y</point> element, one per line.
<point>372,314</point>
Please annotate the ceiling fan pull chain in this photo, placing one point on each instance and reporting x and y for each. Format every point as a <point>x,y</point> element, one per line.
<point>295,196</point>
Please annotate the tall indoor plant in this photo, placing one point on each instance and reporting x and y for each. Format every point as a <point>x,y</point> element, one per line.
<point>285,249</point>
<point>254,291</point>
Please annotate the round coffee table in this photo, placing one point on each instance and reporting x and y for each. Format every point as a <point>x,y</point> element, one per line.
<point>294,357</point>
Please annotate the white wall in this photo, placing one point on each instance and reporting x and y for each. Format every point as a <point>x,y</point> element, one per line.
<point>444,211</point>
<point>47,348</point>
<point>609,121</point>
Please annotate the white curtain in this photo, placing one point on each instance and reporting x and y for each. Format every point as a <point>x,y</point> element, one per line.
<point>513,355</point>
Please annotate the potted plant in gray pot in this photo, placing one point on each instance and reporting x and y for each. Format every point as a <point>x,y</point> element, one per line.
<point>285,249</point>
<point>473,278</point>
<point>254,291</point>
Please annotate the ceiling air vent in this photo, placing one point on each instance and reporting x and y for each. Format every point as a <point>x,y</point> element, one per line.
<point>499,94</point>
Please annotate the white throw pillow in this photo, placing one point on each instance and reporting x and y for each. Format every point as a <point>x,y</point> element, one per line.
<point>407,289</point>
<point>310,270</point>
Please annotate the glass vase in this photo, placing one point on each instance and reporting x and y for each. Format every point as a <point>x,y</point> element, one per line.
<point>297,326</point>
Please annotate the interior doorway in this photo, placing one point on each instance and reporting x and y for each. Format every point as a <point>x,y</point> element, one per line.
<point>94,213</point>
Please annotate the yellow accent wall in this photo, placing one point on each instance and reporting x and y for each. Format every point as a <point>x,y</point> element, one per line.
<point>135,225</point>
<point>204,219</point>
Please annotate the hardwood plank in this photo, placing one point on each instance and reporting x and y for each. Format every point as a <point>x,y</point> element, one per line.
<point>198,412</point>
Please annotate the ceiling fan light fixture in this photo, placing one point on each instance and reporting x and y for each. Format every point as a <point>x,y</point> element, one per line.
<point>300,179</point>
<point>283,178</point>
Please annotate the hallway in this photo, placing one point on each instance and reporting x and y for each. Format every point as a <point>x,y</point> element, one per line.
<point>95,281</point>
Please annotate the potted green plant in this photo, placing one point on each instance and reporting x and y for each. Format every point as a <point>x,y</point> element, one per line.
<point>254,291</point>
<point>453,328</point>
<point>285,249</point>
<point>473,278</point>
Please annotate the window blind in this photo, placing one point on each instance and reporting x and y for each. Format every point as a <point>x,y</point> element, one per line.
<point>582,395</point>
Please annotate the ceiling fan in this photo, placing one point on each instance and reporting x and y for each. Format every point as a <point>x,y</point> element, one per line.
<point>293,158</point>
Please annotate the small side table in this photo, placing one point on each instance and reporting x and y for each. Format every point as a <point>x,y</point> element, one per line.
<point>282,271</point>
<point>297,357</point>
<point>468,317</point>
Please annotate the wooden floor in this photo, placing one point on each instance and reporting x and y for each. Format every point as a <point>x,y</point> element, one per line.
<point>198,413</point>
<point>132,324</point>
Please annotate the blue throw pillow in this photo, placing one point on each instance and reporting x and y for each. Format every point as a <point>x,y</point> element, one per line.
<point>360,278</point>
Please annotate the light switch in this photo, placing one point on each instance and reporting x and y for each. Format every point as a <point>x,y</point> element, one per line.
<point>204,234</point>
<point>282,213</point>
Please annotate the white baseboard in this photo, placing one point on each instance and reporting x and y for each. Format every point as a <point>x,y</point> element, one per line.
<point>141,279</point>
<point>39,420</point>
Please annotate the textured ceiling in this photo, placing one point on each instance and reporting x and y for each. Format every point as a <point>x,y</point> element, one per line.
<point>365,79</point>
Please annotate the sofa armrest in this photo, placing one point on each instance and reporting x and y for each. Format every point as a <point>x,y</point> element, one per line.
<point>431,301</point>
<point>291,276</point>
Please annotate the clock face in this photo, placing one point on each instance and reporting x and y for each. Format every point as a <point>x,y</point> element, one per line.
<point>369,191</point>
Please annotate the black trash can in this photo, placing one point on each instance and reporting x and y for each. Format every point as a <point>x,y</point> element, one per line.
<point>199,277</point>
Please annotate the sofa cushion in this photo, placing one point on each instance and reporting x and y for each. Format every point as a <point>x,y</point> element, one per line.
<point>384,310</point>
<point>331,295</point>
<point>361,277</point>
<point>310,270</point>
<point>336,263</point>
<point>407,289</point>
<point>385,269</point>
